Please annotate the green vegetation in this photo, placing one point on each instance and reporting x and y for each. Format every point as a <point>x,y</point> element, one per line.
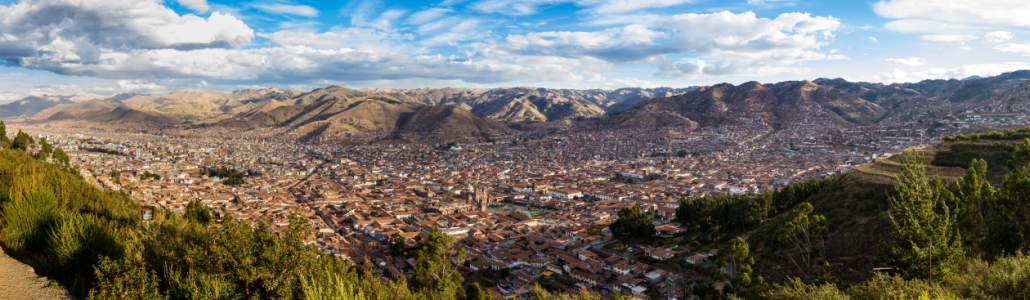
<point>101,150</point>
<point>148,175</point>
<point>633,226</point>
<point>231,176</point>
<point>93,242</point>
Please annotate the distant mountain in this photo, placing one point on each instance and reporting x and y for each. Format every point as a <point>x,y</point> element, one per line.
<point>780,105</point>
<point>74,110</point>
<point>971,88</point>
<point>31,105</point>
<point>375,117</point>
<point>120,115</point>
<point>512,104</point>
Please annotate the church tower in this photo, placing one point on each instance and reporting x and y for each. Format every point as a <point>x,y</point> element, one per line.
<point>478,196</point>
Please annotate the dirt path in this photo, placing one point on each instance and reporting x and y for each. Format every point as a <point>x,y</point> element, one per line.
<point>19,282</point>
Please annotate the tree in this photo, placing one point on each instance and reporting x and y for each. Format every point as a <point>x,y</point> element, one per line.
<point>22,141</point>
<point>4,140</point>
<point>196,212</point>
<point>633,226</point>
<point>735,254</point>
<point>976,195</point>
<point>435,273</point>
<point>397,243</point>
<point>921,225</point>
<point>682,153</point>
<point>474,292</point>
<point>44,147</point>
<point>802,238</point>
<point>60,157</point>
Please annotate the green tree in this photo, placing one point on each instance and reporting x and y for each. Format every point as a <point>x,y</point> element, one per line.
<point>633,226</point>
<point>474,292</point>
<point>196,212</point>
<point>802,238</point>
<point>44,147</point>
<point>435,272</point>
<point>976,195</point>
<point>22,141</point>
<point>60,157</point>
<point>736,254</point>
<point>5,142</point>
<point>921,225</point>
<point>682,153</point>
<point>397,243</point>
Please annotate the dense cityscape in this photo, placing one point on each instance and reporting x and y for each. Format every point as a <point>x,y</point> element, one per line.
<point>529,209</point>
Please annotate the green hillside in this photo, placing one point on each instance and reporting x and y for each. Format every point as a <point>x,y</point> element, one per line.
<point>821,239</point>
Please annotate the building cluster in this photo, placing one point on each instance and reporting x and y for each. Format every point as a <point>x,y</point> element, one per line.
<point>529,208</point>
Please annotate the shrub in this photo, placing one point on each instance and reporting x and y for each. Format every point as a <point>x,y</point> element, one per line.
<point>27,221</point>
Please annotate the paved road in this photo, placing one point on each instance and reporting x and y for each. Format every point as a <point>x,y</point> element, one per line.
<point>19,282</point>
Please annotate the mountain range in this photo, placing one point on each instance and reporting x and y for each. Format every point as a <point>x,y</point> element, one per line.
<point>444,113</point>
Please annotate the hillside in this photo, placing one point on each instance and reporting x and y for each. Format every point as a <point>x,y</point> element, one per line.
<point>445,123</point>
<point>128,114</point>
<point>74,110</point>
<point>781,104</point>
<point>31,105</point>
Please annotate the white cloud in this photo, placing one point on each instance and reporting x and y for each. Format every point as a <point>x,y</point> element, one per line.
<point>726,43</point>
<point>601,7</point>
<point>281,8</point>
<point>924,26</point>
<point>911,61</point>
<point>12,75</point>
<point>999,36</point>
<point>614,83</point>
<point>983,12</point>
<point>196,5</point>
<point>982,70</point>
<point>873,39</point>
<point>1014,48</point>
<point>336,38</point>
<point>965,48</point>
<point>948,38</point>
<point>138,85</point>
<point>91,27</point>
<point>156,48</point>
<point>428,15</point>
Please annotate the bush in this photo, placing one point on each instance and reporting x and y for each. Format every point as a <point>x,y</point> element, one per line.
<point>76,245</point>
<point>1007,278</point>
<point>124,279</point>
<point>27,221</point>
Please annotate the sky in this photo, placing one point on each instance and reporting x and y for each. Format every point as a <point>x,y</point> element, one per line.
<point>105,47</point>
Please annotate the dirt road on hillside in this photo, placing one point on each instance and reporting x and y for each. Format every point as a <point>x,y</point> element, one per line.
<point>19,282</point>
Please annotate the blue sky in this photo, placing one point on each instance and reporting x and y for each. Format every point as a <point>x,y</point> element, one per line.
<point>103,47</point>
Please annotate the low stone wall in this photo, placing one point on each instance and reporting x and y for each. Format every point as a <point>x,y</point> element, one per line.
<point>930,170</point>
<point>874,177</point>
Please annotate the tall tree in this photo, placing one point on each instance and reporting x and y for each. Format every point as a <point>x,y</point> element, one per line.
<point>60,157</point>
<point>633,226</point>
<point>921,225</point>
<point>4,140</point>
<point>196,212</point>
<point>44,146</point>
<point>1009,223</point>
<point>397,243</point>
<point>736,255</point>
<point>22,141</point>
<point>802,238</point>
<point>435,272</point>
